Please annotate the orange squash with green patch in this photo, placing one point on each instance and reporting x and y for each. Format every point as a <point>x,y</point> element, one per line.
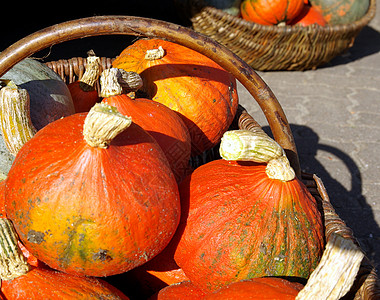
<point>93,194</point>
<point>244,219</point>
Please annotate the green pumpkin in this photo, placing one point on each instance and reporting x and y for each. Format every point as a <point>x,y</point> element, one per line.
<point>50,100</point>
<point>341,11</point>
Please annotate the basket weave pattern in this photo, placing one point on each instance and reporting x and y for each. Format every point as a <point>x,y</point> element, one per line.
<point>279,47</point>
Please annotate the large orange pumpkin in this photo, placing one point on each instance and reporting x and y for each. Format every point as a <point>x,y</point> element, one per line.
<point>243,220</point>
<point>161,122</point>
<point>85,201</point>
<point>188,82</point>
<point>271,12</point>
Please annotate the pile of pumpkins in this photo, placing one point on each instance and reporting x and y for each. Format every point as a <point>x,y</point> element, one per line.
<point>294,12</point>
<point>102,187</point>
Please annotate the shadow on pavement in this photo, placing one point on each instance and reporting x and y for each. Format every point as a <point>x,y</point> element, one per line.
<point>350,203</point>
<point>366,43</point>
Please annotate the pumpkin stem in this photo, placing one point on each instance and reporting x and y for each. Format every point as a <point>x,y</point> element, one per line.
<point>116,81</point>
<point>92,72</point>
<point>279,168</point>
<point>12,262</point>
<point>154,54</point>
<point>257,146</point>
<point>102,124</point>
<point>247,145</point>
<point>16,125</point>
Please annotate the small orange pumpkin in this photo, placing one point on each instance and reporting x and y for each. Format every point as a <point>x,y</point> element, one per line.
<point>83,91</point>
<point>308,16</point>
<point>271,12</point>
<point>164,124</point>
<point>188,82</point>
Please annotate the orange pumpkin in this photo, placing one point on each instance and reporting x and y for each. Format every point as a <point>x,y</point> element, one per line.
<point>179,291</point>
<point>83,91</point>
<point>308,16</point>
<point>161,122</point>
<point>265,288</point>
<point>243,219</point>
<point>186,81</point>
<point>271,12</point>
<point>25,277</point>
<point>90,195</point>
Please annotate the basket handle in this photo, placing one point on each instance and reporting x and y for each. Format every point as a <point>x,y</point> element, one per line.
<point>145,27</point>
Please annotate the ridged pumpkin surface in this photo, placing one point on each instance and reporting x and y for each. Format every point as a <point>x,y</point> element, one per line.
<point>188,82</point>
<point>238,224</point>
<point>42,283</point>
<point>179,291</point>
<point>163,124</point>
<point>88,210</point>
<point>271,12</point>
<point>265,288</point>
<point>341,11</point>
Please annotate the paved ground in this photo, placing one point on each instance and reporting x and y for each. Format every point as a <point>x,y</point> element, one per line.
<point>334,111</point>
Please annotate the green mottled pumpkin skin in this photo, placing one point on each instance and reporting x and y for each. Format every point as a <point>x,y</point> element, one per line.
<point>341,11</point>
<point>238,224</point>
<point>92,211</point>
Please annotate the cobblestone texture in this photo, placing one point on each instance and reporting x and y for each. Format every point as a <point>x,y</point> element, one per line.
<point>334,113</point>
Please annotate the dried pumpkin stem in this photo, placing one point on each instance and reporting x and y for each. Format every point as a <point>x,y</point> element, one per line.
<point>109,83</point>
<point>257,146</point>
<point>16,125</point>
<point>154,54</point>
<point>12,262</point>
<point>92,73</point>
<point>246,145</point>
<point>102,124</point>
<point>116,81</point>
<point>279,168</point>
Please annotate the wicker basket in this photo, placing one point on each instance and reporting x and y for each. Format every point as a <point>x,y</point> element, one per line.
<point>366,285</point>
<point>278,47</point>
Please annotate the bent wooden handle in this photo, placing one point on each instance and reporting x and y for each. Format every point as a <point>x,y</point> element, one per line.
<point>144,27</point>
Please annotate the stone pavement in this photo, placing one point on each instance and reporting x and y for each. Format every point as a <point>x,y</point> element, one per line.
<point>334,113</point>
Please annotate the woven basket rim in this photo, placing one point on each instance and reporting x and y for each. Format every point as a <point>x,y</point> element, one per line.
<point>290,29</point>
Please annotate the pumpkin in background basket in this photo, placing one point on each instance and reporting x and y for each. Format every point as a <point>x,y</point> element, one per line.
<point>161,122</point>
<point>265,288</point>
<point>242,219</point>
<point>308,16</point>
<point>269,12</point>
<point>341,11</point>
<point>83,91</point>
<point>188,82</point>
<point>93,194</point>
